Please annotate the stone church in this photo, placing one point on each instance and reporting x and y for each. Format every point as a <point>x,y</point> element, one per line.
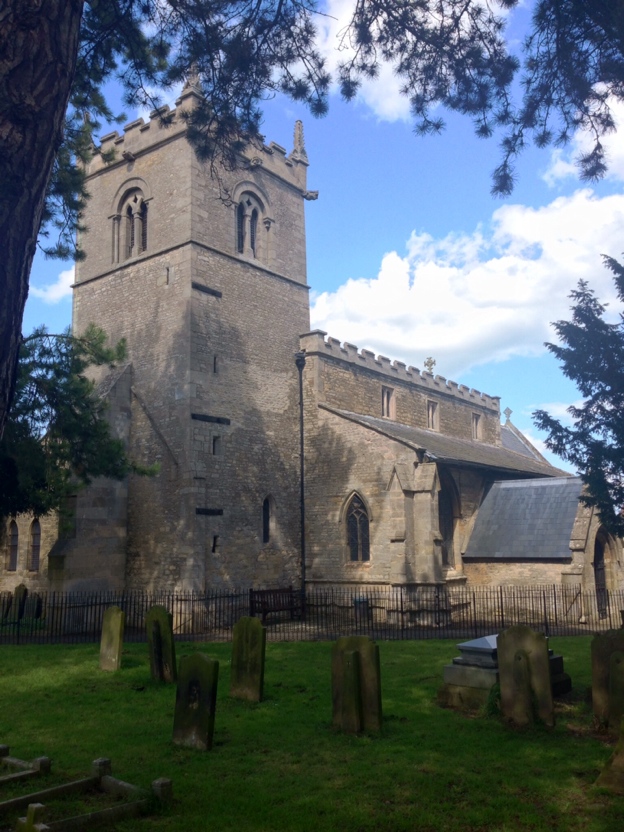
<point>283,454</point>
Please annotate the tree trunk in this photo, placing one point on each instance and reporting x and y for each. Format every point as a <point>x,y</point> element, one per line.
<point>38,53</point>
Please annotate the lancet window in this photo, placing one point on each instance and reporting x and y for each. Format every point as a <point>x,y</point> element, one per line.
<point>34,548</point>
<point>13,546</point>
<point>252,227</point>
<point>358,537</point>
<point>130,227</point>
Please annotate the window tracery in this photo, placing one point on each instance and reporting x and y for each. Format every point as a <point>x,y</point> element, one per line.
<point>130,226</point>
<point>358,533</point>
<point>252,227</point>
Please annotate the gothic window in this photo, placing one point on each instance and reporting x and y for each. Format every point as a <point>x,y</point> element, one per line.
<point>130,227</point>
<point>13,546</point>
<point>34,548</point>
<point>433,416</point>
<point>387,402</point>
<point>252,227</point>
<point>358,539</point>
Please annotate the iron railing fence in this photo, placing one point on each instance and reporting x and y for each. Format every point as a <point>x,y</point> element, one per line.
<point>460,612</point>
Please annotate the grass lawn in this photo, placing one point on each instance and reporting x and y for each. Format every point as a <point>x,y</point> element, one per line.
<point>279,766</point>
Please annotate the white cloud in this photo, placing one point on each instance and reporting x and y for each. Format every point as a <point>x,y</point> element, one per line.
<point>469,299</point>
<point>558,410</point>
<point>55,292</point>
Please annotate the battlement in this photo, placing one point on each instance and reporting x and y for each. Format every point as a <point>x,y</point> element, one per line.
<point>165,124</point>
<point>316,343</point>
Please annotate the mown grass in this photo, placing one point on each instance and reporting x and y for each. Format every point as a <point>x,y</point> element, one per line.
<point>279,766</point>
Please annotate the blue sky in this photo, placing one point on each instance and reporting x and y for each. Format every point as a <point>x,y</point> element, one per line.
<point>409,255</point>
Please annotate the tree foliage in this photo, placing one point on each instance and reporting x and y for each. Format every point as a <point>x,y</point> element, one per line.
<point>591,353</point>
<point>57,438</point>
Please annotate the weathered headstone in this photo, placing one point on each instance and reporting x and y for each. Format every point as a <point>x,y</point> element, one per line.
<point>20,594</point>
<point>612,775</point>
<point>248,652</point>
<point>523,653</point>
<point>196,699</point>
<point>356,685</point>
<point>602,648</point>
<point>159,626</point>
<point>111,641</point>
<point>616,692</point>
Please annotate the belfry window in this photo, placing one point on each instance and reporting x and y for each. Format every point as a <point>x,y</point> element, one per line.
<point>130,227</point>
<point>13,546</point>
<point>252,227</point>
<point>358,539</point>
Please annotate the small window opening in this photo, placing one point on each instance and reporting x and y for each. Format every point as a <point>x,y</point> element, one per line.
<point>35,546</point>
<point>216,446</point>
<point>240,228</point>
<point>129,231</point>
<point>387,402</point>
<point>253,230</point>
<point>13,546</point>
<point>476,426</point>
<point>358,530</point>
<point>433,418</point>
<point>144,226</point>
<point>215,365</point>
<point>266,520</point>
<point>215,543</point>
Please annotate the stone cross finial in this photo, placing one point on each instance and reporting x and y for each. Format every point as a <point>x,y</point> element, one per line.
<point>299,151</point>
<point>507,413</point>
<point>429,364</point>
<point>192,79</point>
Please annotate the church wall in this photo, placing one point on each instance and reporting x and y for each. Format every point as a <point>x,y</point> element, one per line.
<point>344,458</point>
<point>507,573</point>
<point>34,580</point>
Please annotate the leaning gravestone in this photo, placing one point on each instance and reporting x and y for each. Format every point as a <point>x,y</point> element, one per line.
<point>356,685</point>
<point>111,642</point>
<point>196,699</point>
<point>522,660</point>
<point>159,626</point>
<point>602,648</point>
<point>248,652</point>
<point>612,775</point>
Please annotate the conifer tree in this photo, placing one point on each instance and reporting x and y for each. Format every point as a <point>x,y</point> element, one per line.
<point>591,352</point>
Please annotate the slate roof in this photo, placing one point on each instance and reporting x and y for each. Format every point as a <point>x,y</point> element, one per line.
<point>449,449</point>
<point>526,520</point>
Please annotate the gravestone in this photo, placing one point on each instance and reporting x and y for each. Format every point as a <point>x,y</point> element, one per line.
<point>159,626</point>
<point>20,594</point>
<point>616,692</point>
<point>602,648</point>
<point>111,642</point>
<point>612,775</point>
<point>196,699</point>
<point>248,653</point>
<point>356,685</point>
<point>523,654</point>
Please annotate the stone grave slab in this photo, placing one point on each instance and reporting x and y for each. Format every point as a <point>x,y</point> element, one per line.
<point>196,699</point>
<point>248,655</point>
<point>21,769</point>
<point>513,645</point>
<point>602,647</point>
<point>161,644</point>
<point>111,641</point>
<point>361,694</point>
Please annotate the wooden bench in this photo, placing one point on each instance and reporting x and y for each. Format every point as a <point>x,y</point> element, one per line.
<point>265,601</point>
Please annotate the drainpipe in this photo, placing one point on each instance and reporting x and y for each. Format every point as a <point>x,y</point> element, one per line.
<point>300,362</point>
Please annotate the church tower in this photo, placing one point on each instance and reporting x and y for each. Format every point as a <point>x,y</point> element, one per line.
<point>205,278</point>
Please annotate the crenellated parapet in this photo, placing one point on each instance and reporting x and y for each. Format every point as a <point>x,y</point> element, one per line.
<point>317,343</point>
<point>166,124</point>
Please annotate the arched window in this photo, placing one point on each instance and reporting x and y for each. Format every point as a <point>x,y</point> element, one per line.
<point>130,226</point>
<point>34,548</point>
<point>252,227</point>
<point>358,539</point>
<point>13,546</point>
